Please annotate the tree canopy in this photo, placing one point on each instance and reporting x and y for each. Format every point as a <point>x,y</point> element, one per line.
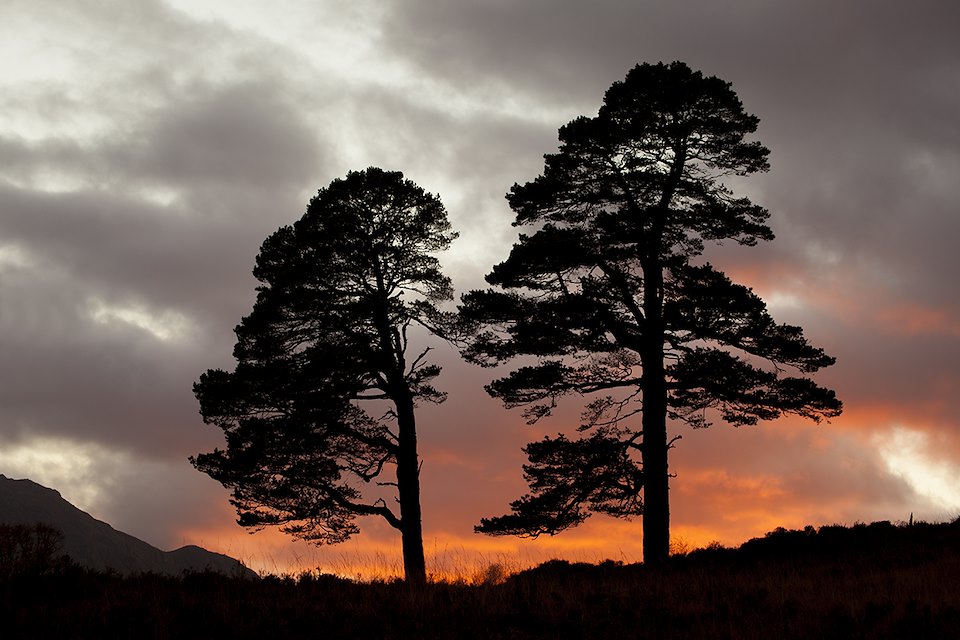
<point>605,294</point>
<point>328,336</point>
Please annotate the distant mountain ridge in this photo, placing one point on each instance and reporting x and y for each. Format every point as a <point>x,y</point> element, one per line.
<point>95,544</point>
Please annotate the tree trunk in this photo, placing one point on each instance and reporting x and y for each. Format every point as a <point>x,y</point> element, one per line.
<point>656,473</point>
<point>408,461</point>
<point>656,477</point>
<point>408,488</point>
<point>653,450</point>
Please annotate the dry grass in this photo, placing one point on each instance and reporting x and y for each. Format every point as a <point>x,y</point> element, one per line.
<point>877,581</point>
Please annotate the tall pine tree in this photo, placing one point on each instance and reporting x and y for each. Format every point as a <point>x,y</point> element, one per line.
<point>603,295</point>
<point>340,290</point>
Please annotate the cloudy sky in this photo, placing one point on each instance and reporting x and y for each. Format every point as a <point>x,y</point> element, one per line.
<point>147,147</point>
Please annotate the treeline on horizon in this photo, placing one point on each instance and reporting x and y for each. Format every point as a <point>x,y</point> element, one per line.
<point>880,580</point>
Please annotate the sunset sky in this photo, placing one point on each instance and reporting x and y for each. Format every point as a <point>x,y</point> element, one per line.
<point>147,147</point>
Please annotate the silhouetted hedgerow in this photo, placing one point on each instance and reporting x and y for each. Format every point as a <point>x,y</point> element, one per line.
<point>867,581</point>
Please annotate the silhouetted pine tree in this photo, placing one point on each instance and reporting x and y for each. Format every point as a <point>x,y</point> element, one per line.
<point>603,292</point>
<point>329,332</point>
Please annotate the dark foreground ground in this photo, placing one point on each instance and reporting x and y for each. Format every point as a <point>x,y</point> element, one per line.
<point>868,581</point>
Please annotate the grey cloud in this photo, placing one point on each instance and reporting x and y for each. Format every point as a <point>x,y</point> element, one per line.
<point>246,139</point>
<point>859,107</point>
<point>846,94</point>
<point>471,147</point>
<point>242,137</point>
<point>237,157</point>
<point>21,160</point>
<point>180,500</point>
<point>123,249</point>
<point>547,48</point>
<point>569,49</point>
<point>64,375</point>
<point>469,160</point>
<point>111,381</point>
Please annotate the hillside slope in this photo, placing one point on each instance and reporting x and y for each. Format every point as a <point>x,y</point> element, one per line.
<point>95,544</point>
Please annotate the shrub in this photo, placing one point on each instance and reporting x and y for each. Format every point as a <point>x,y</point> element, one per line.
<point>29,549</point>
